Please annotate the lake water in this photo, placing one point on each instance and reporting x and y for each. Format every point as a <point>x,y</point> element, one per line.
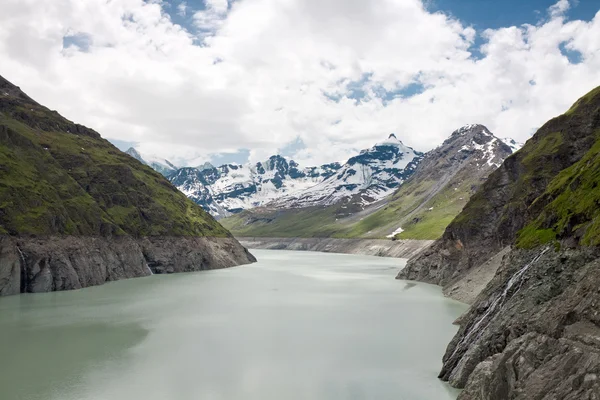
<point>295,325</point>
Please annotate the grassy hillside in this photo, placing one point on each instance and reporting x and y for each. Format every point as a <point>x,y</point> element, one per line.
<point>570,206</point>
<point>57,177</point>
<point>419,219</point>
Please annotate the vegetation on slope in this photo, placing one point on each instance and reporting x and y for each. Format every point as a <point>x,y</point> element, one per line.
<point>572,205</point>
<point>547,192</point>
<point>419,219</point>
<point>57,177</point>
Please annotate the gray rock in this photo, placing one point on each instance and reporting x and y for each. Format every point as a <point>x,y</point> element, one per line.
<point>34,265</point>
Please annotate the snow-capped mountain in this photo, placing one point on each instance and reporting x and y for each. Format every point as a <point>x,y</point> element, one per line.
<point>512,143</point>
<point>280,183</point>
<point>232,188</point>
<point>159,164</point>
<point>368,177</point>
<point>193,184</point>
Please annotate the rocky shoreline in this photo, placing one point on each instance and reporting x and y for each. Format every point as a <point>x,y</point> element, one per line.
<point>45,264</point>
<point>368,247</point>
<point>534,332</point>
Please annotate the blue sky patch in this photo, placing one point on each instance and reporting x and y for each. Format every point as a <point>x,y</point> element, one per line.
<point>573,56</point>
<point>82,41</point>
<point>291,148</point>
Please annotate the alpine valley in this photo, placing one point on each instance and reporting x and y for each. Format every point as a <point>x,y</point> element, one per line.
<point>387,190</point>
<point>367,199</point>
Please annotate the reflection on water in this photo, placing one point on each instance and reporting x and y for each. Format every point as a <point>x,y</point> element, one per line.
<point>296,325</point>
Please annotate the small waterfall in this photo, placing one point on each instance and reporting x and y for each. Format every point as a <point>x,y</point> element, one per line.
<point>149,269</point>
<point>498,302</point>
<point>21,253</point>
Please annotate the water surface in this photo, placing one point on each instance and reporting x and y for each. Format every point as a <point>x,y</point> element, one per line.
<point>295,325</point>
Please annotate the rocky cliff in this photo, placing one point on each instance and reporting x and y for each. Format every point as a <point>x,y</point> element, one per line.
<point>75,211</point>
<point>534,330</point>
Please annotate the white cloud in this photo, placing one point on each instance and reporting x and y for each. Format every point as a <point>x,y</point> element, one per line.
<point>213,16</point>
<point>182,9</point>
<point>258,81</point>
<point>559,8</point>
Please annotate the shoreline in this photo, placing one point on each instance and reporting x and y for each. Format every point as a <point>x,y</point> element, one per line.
<point>368,247</point>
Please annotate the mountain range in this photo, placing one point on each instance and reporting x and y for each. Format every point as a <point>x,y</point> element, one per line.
<point>280,183</point>
<point>431,191</point>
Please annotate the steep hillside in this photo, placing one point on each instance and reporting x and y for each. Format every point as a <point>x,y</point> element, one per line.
<point>421,208</point>
<point>533,332</point>
<point>62,180</point>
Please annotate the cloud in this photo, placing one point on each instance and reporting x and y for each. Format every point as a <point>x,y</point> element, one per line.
<point>335,75</point>
<point>182,9</point>
<point>559,9</point>
<point>212,17</point>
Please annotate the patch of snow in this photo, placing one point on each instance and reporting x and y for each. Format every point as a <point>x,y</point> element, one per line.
<point>396,232</point>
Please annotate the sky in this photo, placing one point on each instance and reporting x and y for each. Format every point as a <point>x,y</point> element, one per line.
<point>314,80</point>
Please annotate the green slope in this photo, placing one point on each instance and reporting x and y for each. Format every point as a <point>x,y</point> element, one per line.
<point>420,219</point>
<point>57,177</point>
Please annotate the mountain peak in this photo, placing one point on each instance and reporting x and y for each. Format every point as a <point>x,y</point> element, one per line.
<point>134,153</point>
<point>474,128</point>
<point>512,143</point>
<point>392,140</point>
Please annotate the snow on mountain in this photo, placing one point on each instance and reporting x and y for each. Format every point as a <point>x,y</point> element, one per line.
<point>372,175</point>
<point>232,188</point>
<point>279,182</point>
<point>478,140</point>
<point>204,166</point>
<point>193,184</point>
<point>512,143</point>
<point>159,164</point>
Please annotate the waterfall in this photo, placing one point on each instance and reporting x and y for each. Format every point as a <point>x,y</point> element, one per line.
<point>149,269</point>
<point>498,301</point>
<point>22,256</point>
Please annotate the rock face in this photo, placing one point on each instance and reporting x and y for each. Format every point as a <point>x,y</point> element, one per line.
<point>34,265</point>
<point>75,211</point>
<point>534,331</point>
